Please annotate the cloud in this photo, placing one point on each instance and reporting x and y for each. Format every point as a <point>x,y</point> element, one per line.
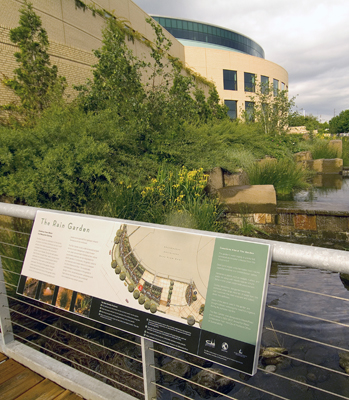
<point>306,38</point>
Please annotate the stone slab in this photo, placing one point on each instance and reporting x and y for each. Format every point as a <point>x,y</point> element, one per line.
<point>249,198</point>
<point>215,180</point>
<point>302,156</point>
<point>332,166</point>
<point>239,178</point>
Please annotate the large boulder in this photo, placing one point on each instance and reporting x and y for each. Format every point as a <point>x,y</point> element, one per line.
<point>211,378</point>
<point>302,156</point>
<point>238,178</point>
<point>215,180</point>
<point>249,198</point>
<point>325,166</point>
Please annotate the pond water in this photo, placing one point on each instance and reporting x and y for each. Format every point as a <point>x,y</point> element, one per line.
<point>307,313</point>
<point>330,192</point>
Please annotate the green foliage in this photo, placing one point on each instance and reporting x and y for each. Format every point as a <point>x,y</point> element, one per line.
<point>116,76</point>
<point>168,98</point>
<point>175,197</point>
<point>285,175</point>
<point>345,144</point>
<point>340,123</point>
<point>320,148</point>
<point>57,164</point>
<point>309,121</point>
<point>270,110</point>
<point>35,81</point>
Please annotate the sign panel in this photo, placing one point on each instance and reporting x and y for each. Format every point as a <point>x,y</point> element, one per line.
<point>198,293</point>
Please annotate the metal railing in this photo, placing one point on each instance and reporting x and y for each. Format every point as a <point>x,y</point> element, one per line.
<point>305,333</point>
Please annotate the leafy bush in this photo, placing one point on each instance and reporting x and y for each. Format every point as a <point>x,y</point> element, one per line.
<point>175,197</point>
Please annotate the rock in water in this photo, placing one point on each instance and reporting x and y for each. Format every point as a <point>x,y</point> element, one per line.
<point>209,378</point>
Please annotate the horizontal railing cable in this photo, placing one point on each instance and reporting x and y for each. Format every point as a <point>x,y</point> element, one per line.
<point>10,258</point>
<point>309,363</point>
<point>307,339</point>
<point>77,364</point>
<point>158,385</point>
<point>309,291</point>
<point>76,336</point>
<point>9,271</point>
<point>213,372</point>
<point>11,230</point>
<point>309,316</point>
<point>72,320</point>
<point>14,245</point>
<point>303,384</point>
<point>75,349</point>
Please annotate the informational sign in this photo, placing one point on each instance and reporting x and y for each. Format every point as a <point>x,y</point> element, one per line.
<point>198,293</point>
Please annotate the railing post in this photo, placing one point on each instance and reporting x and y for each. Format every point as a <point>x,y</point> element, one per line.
<point>5,317</point>
<point>148,371</point>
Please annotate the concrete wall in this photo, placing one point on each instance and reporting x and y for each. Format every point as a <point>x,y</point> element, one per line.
<point>73,34</point>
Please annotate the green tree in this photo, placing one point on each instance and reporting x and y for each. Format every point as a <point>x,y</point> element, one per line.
<point>116,77</point>
<point>270,110</point>
<point>340,123</point>
<point>35,81</point>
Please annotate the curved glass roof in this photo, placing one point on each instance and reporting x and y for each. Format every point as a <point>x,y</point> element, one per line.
<point>210,34</point>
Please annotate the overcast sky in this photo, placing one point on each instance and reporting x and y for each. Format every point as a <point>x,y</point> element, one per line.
<point>309,38</point>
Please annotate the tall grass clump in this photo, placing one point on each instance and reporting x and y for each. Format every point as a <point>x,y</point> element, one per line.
<point>14,236</point>
<point>321,149</point>
<point>284,174</point>
<point>345,156</point>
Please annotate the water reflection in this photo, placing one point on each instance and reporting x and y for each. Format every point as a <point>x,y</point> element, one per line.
<point>329,192</point>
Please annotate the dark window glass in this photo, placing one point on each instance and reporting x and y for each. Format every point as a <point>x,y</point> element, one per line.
<point>249,108</point>
<point>264,84</point>
<point>229,80</point>
<point>232,105</point>
<point>275,86</point>
<point>250,82</point>
<point>223,37</point>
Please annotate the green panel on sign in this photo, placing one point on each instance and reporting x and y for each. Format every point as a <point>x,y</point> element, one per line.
<point>236,289</point>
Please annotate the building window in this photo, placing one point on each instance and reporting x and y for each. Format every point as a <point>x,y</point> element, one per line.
<point>249,110</point>
<point>275,87</point>
<point>282,86</point>
<point>264,84</point>
<point>229,79</point>
<point>232,105</point>
<point>250,82</point>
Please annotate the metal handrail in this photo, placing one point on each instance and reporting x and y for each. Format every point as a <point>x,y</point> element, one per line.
<point>327,259</point>
<point>288,253</point>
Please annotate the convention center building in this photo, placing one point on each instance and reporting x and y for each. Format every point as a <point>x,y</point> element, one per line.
<point>234,62</point>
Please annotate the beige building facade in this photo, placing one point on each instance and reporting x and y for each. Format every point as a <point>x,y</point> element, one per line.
<point>74,31</point>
